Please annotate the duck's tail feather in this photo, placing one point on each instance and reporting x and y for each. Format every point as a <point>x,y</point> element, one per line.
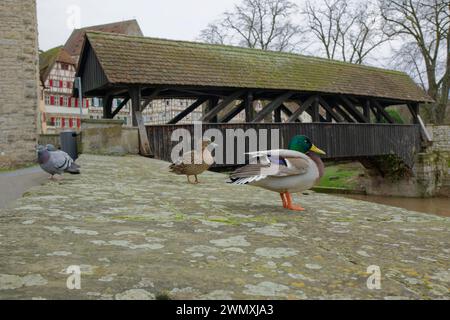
<point>248,174</point>
<point>247,180</point>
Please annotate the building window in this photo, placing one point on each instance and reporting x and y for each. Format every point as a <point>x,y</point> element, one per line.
<point>64,66</point>
<point>47,100</point>
<point>65,101</point>
<point>58,122</point>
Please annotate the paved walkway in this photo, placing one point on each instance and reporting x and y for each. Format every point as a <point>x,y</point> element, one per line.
<point>15,183</point>
<point>137,231</point>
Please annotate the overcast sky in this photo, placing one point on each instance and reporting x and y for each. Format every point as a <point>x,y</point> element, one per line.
<point>173,19</point>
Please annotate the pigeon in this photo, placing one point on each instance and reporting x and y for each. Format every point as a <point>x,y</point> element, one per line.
<point>51,147</point>
<point>56,162</point>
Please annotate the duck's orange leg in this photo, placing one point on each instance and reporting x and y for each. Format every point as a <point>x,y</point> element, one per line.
<point>291,206</point>
<point>283,198</point>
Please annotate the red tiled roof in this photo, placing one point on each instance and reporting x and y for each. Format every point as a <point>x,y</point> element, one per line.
<point>48,58</point>
<point>75,42</point>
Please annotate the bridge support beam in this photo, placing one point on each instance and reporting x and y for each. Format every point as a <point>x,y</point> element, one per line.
<point>302,108</point>
<point>346,116</point>
<point>187,111</point>
<point>366,107</point>
<point>249,107</point>
<point>381,111</point>
<point>120,107</point>
<point>272,106</point>
<point>331,114</point>
<point>107,107</point>
<point>233,113</point>
<point>215,107</point>
<point>350,107</point>
<point>135,94</point>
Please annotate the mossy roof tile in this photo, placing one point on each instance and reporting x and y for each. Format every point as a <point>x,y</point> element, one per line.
<point>152,61</point>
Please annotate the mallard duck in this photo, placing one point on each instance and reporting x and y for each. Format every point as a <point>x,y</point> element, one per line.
<point>193,164</point>
<point>284,171</point>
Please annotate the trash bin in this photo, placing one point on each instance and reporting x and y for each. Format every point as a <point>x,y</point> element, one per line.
<point>68,141</point>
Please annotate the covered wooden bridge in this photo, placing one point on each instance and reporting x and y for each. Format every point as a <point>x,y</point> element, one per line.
<point>347,103</point>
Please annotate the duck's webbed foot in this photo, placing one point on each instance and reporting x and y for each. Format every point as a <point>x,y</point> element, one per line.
<point>290,205</point>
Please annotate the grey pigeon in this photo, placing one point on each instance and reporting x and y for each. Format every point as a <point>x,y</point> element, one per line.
<point>56,162</point>
<point>51,147</point>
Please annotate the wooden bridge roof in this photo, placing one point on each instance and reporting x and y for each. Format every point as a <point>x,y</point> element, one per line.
<point>129,60</point>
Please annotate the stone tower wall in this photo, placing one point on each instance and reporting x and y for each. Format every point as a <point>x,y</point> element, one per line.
<point>19,80</point>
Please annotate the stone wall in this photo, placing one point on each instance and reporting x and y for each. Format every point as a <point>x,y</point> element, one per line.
<point>55,140</point>
<point>441,146</point>
<point>108,137</point>
<point>441,138</point>
<point>429,177</point>
<point>18,82</point>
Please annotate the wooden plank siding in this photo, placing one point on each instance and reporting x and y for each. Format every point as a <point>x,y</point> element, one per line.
<point>96,77</point>
<point>339,140</point>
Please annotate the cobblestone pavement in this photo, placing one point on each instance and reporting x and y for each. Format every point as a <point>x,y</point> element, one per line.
<point>138,232</point>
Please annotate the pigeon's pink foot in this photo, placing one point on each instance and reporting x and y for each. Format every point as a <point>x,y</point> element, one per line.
<point>56,178</point>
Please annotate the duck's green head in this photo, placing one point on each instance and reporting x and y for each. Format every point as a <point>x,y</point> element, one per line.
<point>303,144</point>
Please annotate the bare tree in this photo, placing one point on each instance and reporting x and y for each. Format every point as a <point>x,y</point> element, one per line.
<point>424,28</point>
<point>214,33</point>
<point>346,30</point>
<point>408,58</point>
<point>262,24</point>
